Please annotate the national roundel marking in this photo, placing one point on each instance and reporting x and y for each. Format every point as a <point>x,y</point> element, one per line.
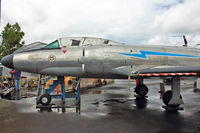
<point>52,58</point>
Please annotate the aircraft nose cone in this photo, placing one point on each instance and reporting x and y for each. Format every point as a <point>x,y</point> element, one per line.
<point>8,61</point>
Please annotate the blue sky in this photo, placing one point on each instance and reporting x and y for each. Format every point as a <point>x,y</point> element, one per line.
<point>153,22</point>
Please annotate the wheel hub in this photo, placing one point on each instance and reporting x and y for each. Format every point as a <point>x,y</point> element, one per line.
<point>44,100</point>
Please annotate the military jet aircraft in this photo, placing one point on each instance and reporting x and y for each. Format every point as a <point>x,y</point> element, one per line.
<point>88,57</point>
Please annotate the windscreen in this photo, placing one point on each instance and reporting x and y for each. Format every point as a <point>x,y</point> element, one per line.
<point>53,45</point>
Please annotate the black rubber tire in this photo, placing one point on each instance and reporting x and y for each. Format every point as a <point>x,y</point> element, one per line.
<point>141,90</point>
<point>167,97</point>
<point>47,100</point>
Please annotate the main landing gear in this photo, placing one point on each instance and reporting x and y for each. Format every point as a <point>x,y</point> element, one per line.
<point>171,98</point>
<point>141,89</point>
<point>167,96</point>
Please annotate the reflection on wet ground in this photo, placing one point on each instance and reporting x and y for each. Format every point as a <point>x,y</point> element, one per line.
<point>141,103</point>
<point>105,107</point>
<point>93,92</point>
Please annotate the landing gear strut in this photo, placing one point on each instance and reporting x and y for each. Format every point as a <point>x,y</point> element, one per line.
<point>141,89</point>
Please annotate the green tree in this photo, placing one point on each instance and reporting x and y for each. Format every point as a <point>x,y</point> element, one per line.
<point>12,39</point>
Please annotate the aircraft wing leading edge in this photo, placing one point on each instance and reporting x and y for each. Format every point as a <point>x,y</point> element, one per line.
<point>137,71</point>
<point>171,70</point>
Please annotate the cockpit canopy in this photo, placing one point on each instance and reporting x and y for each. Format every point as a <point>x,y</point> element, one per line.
<point>79,41</point>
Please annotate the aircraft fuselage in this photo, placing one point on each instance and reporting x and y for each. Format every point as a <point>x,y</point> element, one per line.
<point>103,61</point>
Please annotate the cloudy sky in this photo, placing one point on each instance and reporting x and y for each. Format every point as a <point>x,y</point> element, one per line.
<point>159,22</point>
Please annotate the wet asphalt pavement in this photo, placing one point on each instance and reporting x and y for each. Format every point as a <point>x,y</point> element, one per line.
<point>107,109</point>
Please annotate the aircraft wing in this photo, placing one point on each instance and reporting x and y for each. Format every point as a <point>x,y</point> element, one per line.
<point>186,69</point>
<point>157,71</point>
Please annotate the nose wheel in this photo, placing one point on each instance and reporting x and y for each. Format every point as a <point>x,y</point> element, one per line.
<point>141,90</point>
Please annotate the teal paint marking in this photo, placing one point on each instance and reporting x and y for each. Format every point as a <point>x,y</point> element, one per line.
<point>143,54</point>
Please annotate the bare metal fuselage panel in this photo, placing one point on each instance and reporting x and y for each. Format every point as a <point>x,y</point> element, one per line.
<point>107,60</point>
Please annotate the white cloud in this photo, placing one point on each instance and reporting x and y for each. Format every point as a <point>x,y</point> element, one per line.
<point>183,18</point>
<point>131,21</point>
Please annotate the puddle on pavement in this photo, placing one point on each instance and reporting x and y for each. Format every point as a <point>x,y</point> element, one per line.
<point>93,92</point>
<point>28,105</point>
<point>94,114</point>
<point>116,100</point>
<point>141,103</point>
<point>109,102</point>
<point>59,110</point>
<point>106,104</point>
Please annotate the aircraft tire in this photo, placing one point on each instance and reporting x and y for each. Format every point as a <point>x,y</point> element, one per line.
<point>45,99</point>
<point>167,97</point>
<point>141,90</point>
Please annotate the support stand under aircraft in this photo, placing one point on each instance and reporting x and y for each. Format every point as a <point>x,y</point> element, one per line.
<point>45,95</point>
